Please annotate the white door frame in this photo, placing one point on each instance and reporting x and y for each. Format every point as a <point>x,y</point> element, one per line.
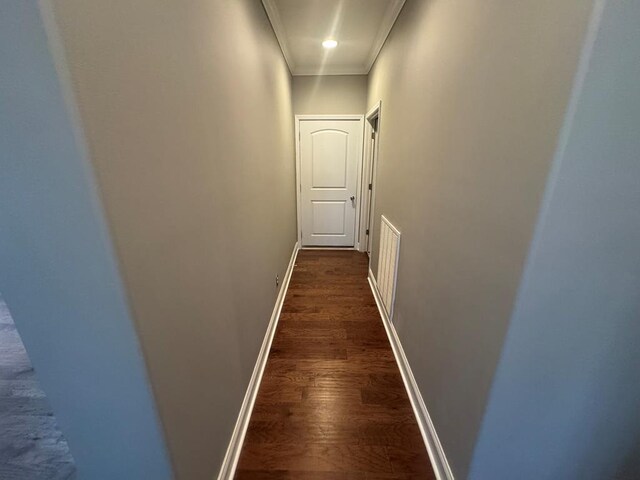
<point>369,157</point>
<point>298,119</point>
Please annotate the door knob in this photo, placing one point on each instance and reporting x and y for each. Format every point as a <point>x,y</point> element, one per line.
<point>352,198</point>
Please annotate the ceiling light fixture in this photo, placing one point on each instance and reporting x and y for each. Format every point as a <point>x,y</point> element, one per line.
<point>329,44</point>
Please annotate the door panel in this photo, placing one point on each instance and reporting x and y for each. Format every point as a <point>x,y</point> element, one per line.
<point>328,217</point>
<point>329,158</point>
<point>330,152</point>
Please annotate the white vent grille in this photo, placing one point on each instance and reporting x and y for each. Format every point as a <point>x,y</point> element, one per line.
<point>388,263</point>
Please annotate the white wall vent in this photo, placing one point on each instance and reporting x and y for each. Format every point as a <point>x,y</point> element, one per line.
<point>388,263</point>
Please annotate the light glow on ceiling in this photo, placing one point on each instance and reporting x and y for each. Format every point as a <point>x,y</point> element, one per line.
<point>329,44</point>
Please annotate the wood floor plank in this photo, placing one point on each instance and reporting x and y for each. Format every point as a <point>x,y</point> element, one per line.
<point>297,475</point>
<point>317,414</point>
<point>332,404</point>
<point>316,457</point>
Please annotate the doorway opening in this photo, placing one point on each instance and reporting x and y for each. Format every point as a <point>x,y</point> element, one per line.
<point>370,161</point>
<point>31,444</point>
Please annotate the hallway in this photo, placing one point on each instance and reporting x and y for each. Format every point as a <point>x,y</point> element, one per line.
<point>169,170</point>
<point>332,404</point>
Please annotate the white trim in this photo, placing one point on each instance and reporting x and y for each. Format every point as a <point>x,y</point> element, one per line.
<point>371,114</point>
<point>230,462</point>
<point>367,162</point>
<point>328,70</point>
<point>353,116</point>
<point>298,119</point>
<point>276,24</point>
<point>432,442</point>
<point>390,17</point>
<point>364,186</point>
<point>298,179</point>
<point>397,232</point>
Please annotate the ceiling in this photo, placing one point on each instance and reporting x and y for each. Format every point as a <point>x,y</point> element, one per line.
<point>359,26</point>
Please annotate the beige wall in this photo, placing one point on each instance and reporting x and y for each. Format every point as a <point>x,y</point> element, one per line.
<point>188,119</point>
<point>331,94</point>
<point>564,401</point>
<point>60,276</point>
<point>473,95</point>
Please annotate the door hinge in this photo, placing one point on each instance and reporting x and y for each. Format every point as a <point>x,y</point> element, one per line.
<point>373,135</point>
<point>370,185</point>
<point>367,232</point>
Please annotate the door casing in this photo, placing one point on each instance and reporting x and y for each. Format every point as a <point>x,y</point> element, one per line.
<point>369,168</point>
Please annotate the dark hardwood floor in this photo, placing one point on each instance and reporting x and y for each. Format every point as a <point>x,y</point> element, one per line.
<point>332,404</point>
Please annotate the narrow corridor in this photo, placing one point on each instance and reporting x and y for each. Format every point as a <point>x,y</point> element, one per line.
<point>332,404</point>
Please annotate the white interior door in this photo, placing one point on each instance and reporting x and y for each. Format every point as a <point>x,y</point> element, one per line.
<point>330,152</point>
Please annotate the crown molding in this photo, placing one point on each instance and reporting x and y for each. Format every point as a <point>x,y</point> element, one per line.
<point>390,17</point>
<point>278,29</point>
<point>306,72</point>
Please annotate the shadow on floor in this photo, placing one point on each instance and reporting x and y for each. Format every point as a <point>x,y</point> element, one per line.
<point>31,445</point>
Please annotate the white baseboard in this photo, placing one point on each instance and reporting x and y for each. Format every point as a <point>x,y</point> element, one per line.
<point>230,462</point>
<point>434,447</point>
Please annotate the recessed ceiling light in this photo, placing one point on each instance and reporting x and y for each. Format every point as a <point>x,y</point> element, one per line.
<point>329,44</point>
